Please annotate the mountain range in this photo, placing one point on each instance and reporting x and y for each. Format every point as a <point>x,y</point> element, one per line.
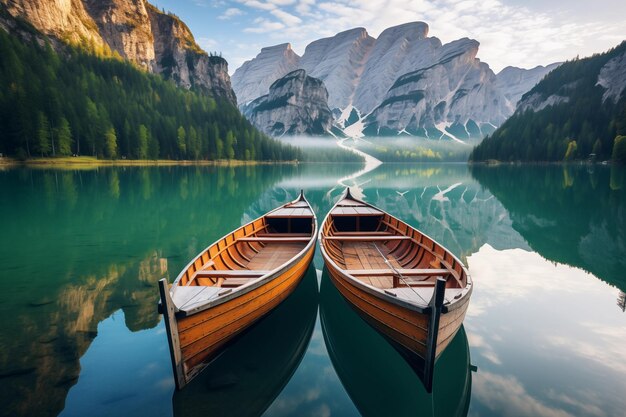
<point>401,82</point>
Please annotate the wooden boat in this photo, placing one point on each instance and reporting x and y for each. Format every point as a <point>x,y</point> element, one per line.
<point>402,282</point>
<point>233,283</point>
<point>249,375</point>
<point>378,380</point>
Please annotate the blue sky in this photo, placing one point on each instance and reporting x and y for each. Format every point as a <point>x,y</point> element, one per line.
<point>511,32</point>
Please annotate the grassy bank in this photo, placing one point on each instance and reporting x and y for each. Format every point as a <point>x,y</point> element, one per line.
<point>89,162</point>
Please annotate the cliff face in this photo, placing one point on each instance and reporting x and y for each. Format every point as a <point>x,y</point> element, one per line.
<point>137,31</point>
<point>454,98</point>
<point>514,82</point>
<point>339,61</point>
<point>296,104</point>
<point>254,77</point>
<point>179,57</point>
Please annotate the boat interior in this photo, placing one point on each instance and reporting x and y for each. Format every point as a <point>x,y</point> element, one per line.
<point>253,250</point>
<point>384,252</point>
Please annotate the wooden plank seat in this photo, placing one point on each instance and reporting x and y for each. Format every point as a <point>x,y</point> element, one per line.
<point>228,273</point>
<point>367,238</point>
<point>429,272</point>
<point>235,282</point>
<point>307,235</point>
<point>364,234</point>
<point>274,239</point>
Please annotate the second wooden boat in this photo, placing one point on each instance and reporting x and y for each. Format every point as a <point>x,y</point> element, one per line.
<point>233,283</point>
<point>402,282</point>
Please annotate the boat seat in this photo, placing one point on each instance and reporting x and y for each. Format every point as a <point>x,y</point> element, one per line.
<point>274,239</point>
<point>308,235</point>
<point>404,272</point>
<point>235,282</point>
<point>367,238</point>
<point>230,273</point>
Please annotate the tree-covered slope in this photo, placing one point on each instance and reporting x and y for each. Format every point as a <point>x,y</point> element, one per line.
<point>75,102</point>
<point>577,109</point>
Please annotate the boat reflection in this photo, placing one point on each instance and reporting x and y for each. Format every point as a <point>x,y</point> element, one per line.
<point>246,378</point>
<point>377,378</point>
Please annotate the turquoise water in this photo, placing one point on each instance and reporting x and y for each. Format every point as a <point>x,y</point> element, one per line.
<point>81,253</point>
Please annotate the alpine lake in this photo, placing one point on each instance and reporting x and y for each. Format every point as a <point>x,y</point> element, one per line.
<point>81,252</point>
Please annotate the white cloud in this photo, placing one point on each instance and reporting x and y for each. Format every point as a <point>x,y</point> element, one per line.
<point>304,6</point>
<point>230,12</point>
<point>264,26</point>
<point>207,43</point>
<point>506,396</point>
<point>282,2</point>
<point>255,4</point>
<point>287,18</point>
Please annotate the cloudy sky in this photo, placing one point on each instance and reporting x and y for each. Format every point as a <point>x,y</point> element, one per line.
<point>523,33</point>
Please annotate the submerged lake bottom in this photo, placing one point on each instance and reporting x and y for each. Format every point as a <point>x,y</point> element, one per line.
<point>81,252</point>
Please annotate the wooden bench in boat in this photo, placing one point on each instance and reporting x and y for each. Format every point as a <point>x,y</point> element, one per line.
<point>214,274</point>
<point>283,235</point>
<point>274,239</point>
<point>367,238</point>
<point>230,273</point>
<point>404,272</point>
<point>363,234</point>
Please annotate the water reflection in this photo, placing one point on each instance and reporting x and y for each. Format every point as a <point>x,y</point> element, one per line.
<point>377,378</point>
<point>546,337</point>
<point>78,246</point>
<point>566,213</point>
<point>251,373</point>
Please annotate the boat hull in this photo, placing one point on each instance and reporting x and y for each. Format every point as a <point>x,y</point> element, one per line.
<point>248,375</point>
<point>406,327</point>
<point>381,382</point>
<point>204,334</point>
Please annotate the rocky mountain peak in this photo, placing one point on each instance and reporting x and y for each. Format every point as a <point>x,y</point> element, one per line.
<point>409,31</point>
<point>337,59</point>
<point>296,104</point>
<point>254,77</point>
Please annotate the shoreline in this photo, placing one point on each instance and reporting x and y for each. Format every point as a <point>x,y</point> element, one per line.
<point>91,162</point>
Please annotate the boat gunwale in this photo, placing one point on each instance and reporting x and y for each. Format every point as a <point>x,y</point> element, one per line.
<point>254,283</point>
<point>381,294</point>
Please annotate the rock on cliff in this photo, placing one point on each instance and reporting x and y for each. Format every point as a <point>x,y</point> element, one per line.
<point>339,62</point>
<point>455,97</point>
<point>137,31</point>
<point>253,78</point>
<point>296,104</point>
<point>398,50</point>
<point>179,57</point>
<point>515,82</point>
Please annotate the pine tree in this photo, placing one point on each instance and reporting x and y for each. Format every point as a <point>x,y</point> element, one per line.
<point>142,142</point>
<point>182,146</point>
<point>64,137</point>
<point>110,140</point>
<point>43,134</point>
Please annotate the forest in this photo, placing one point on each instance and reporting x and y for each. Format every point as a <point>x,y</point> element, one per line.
<point>584,122</point>
<point>74,102</point>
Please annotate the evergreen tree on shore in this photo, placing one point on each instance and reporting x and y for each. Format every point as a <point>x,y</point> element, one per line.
<point>75,102</point>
